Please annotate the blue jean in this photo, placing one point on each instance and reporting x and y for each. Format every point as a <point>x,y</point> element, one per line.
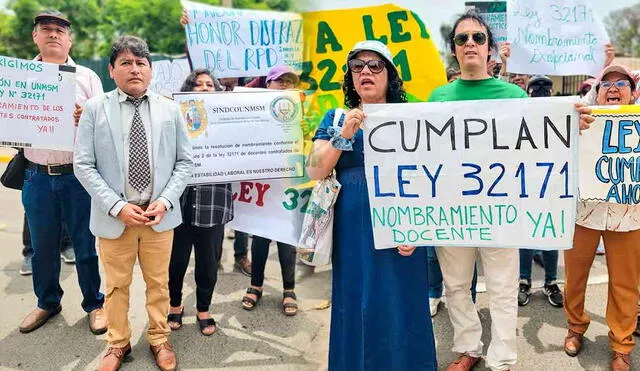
<point>550,259</point>
<point>435,276</point>
<point>48,201</point>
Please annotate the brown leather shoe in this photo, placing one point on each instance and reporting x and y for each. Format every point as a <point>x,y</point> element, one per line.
<point>620,362</point>
<point>98,321</point>
<point>37,318</point>
<point>573,343</point>
<point>114,357</point>
<point>464,363</point>
<point>165,356</point>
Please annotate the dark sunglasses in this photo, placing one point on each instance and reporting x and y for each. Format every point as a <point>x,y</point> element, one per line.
<point>375,65</point>
<point>619,84</point>
<point>478,37</point>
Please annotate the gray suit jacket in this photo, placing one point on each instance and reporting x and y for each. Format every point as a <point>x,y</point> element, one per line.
<point>98,160</point>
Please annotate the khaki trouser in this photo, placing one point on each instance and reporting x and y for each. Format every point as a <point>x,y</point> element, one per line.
<point>501,270</point>
<point>623,256</point>
<point>118,257</point>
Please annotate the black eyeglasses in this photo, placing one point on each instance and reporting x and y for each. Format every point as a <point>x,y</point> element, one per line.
<point>478,37</point>
<point>619,84</point>
<point>375,65</point>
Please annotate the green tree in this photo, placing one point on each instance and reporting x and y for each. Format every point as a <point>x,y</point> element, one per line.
<point>623,27</point>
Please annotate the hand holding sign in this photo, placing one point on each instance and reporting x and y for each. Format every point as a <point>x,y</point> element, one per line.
<point>585,115</point>
<point>77,113</point>
<point>184,19</point>
<point>406,250</point>
<point>352,121</point>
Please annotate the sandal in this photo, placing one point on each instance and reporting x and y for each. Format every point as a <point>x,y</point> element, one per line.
<point>248,303</point>
<point>205,323</point>
<point>176,318</point>
<point>289,305</point>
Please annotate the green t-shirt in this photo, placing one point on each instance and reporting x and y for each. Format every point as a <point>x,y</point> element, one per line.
<point>490,88</point>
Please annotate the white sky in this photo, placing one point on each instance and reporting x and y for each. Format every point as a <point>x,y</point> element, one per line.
<point>436,12</point>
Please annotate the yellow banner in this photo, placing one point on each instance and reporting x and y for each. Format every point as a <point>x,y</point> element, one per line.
<point>328,37</point>
<point>616,110</point>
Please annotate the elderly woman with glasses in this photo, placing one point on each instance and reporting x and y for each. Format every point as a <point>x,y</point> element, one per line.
<point>379,317</point>
<point>619,227</point>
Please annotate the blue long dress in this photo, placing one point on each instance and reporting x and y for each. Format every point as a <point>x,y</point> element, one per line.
<point>380,302</point>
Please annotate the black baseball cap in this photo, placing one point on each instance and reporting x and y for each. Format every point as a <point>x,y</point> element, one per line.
<point>52,15</point>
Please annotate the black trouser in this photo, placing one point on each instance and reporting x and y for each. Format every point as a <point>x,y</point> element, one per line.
<point>27,250</point>
<point>240,245</point>
<point>259,255</point>
<point>204,241</point>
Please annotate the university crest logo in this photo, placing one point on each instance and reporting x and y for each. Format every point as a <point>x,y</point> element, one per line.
<point>284,109</point>
<point>196,117</point>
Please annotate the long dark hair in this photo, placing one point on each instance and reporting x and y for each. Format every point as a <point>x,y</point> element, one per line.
<point>473,15</point>
<point>190,82</point>
<point>395,89</point>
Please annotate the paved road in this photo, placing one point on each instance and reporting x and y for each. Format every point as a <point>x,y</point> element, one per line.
<point>262,340</point>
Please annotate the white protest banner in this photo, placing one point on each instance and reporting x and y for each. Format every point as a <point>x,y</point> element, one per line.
<point>37,101</point>
<point>609,160</point>
<point>495,14</point>
<point>244,136</point>
<point>473,173</point>
<point>271,209</point>
<point>168,76</point>
<point>240,42</point>
<point>555,37</point>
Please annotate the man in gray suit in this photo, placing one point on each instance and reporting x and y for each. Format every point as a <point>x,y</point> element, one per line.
<point>133,156</point>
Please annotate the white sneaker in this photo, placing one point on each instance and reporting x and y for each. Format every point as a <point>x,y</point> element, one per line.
<point>433,305</point>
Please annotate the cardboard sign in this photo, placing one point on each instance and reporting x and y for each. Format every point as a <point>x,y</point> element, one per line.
<point>168,76</point>
<point>609,156</point>
<point>242,43</point>
<point>272,209</point>
<point>555,37</point>
<point>37,101</point>
<point>473,173</point>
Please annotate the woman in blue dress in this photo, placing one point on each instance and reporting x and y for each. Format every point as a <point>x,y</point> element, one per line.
<point>380,301</point>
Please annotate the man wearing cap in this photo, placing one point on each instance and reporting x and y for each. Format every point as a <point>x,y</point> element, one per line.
<point>52,195</point>
<point>619,226</point>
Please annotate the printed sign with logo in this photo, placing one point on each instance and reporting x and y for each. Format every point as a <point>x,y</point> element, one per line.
<point>609,161</point>
<point>472,173</point>
<point>244,136</point>
<point>37,101</point>
<point>240,42</point>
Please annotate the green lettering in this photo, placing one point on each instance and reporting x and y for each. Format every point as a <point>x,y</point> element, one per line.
<point>402,62</point>
<point>397,34</point>
<point>367,22</point>
<point>423,29</point>
<point>378,217</point>
<point>326,36</point>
